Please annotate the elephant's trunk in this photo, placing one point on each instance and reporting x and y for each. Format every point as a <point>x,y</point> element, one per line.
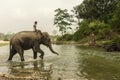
<point>51,49</point>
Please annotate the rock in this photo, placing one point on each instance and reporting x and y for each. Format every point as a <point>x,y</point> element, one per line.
<point>112,47</point>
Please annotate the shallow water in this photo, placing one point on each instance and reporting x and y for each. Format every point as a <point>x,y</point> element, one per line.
<point>73,63</point>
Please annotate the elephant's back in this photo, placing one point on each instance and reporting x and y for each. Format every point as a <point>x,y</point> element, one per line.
<point>24,38</point>
<point>23,35</point>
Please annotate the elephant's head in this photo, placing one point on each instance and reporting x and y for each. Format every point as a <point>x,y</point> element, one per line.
<point>47,42</point>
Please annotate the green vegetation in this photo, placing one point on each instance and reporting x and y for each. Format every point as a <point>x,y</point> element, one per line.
<point>98,17</point>
<point>82,31</point>
<point>6,37</point>
<point>3,44</point>
<point>63,20</point>
<point>66,37</point>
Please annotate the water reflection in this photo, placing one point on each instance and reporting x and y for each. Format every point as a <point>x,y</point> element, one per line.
<point>94,67</point>
<point>33,69</point>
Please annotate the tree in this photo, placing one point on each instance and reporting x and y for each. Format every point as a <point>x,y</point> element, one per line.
<point>63,20</point>
<point>97,15</point>
<point>82,31</point>
<point>1,36</point>
<point>54,32</point>
<point>95,9</point>
<point>115,20</point>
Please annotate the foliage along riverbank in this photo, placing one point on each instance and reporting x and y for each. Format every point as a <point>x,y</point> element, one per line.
<point>3,43</point>
<point>101,19</point>
<point>107,45</point>
<point>85,42</point>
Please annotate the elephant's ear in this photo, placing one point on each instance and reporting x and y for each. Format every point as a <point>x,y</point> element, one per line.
<point>45,35</point>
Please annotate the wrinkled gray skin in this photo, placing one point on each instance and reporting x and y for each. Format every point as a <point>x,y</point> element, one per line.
<point>29,40</point>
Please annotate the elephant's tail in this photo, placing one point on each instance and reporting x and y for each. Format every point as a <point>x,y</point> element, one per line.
<point>10,46</point>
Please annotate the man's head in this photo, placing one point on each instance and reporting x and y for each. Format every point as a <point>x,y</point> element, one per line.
<point>35,22</point>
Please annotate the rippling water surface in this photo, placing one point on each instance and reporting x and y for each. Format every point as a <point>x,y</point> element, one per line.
<point>73,63</point>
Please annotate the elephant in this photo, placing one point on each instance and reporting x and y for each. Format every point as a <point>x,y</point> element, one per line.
<point>25,40</point>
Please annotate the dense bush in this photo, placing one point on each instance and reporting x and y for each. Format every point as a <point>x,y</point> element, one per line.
<point>100,29</point>
<point>65,37</point>
<point>115,20</point>
<point>83,30</point>
<point>115,40</point>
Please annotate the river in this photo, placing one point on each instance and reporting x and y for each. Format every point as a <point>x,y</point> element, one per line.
<point>74,63</point>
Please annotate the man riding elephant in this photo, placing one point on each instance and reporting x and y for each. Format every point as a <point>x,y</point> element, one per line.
<point>35,27</point>
<point>25,40</point>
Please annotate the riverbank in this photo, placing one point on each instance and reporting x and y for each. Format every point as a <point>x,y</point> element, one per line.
<point>82,43</point>
<point>87,41</point>
<point>3,43</point>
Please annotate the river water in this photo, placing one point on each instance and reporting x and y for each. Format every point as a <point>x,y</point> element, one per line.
<point>74,63</point>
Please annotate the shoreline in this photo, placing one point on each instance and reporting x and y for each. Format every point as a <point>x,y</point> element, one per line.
<point>3,43</point>
<point>97,44</point>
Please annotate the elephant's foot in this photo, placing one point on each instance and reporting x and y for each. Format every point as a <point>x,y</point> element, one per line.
<point>41,56</point>
<point>9,60</point>
<point>22,59</point>
<point>35,57</point>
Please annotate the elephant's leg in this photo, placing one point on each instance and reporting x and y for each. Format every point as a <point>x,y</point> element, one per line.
<point>21,55</point>
<point>34,54</point>
<point>20,51</point>
<point>37,49</point>
<point>12,53</point>
<point>42,53</point>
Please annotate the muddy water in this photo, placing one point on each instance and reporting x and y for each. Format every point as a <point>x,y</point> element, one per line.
<point>73,63</point>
